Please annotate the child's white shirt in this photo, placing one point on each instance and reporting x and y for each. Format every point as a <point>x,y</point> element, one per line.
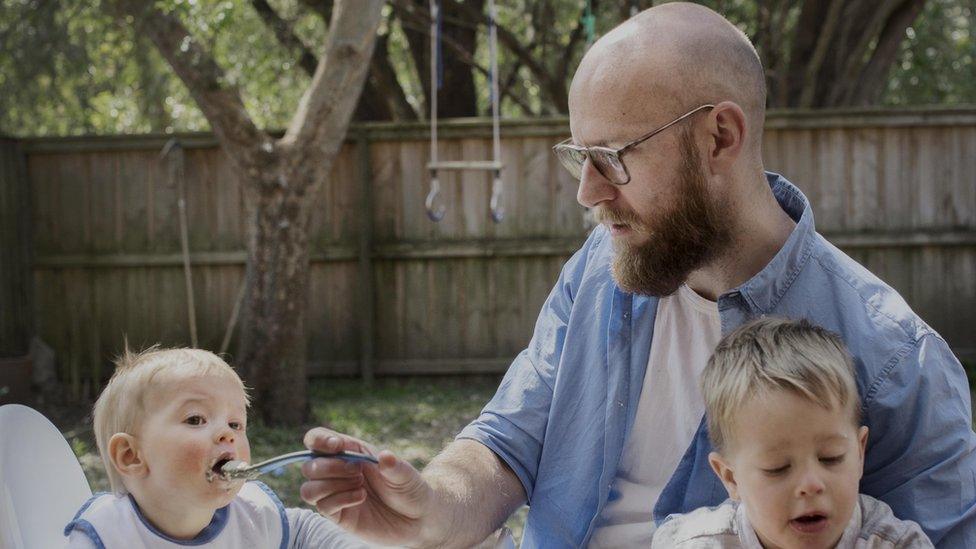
<point>254,519</point>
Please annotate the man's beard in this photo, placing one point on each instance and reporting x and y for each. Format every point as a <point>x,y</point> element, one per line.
<point>680,240</point>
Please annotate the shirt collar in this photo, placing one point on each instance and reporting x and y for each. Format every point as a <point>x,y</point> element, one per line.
<point>764,290</point>
<point>208,534</point>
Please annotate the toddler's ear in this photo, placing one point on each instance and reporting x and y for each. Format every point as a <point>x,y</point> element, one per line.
<point>123,451</point>
<point>725,474</point>
<point>862,441</point>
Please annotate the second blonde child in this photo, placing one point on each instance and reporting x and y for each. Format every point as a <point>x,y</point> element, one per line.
<point>784,420</point>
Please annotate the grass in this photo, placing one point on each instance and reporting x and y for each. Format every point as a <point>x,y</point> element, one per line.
<point>414,418</point>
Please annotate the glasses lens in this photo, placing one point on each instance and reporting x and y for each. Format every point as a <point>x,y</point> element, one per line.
<point>572,159</point>
<point>608,163</point>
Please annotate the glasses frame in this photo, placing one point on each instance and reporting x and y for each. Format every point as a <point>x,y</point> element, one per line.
<point>618,153</point>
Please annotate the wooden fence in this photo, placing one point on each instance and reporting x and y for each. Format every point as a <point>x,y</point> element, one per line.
<point>395,293</point>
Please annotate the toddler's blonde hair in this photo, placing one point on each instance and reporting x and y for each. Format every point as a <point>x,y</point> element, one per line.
<point>772,354</point>
<point>121,407</point>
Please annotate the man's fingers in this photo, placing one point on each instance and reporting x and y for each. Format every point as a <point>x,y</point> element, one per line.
<point>328,441</point>
<point>325,440</point>
<point>314,491</point>
<point>332,504</point>
<point>395,470</point>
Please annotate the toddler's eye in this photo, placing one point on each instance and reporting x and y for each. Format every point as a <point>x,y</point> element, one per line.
<point>832,460</point>
<point>195,420</point>
<point>236,425</point>
<point>777,471</point>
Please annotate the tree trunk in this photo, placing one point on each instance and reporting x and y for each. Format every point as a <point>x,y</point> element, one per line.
<point>458,97</point>
<point>272,350</point>
<point>280,178</point>
<point>383,98</point>
<point>842,50</point>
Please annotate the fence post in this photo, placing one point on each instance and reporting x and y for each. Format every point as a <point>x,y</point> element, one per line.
<point>367,279</point>
<point>16,287</point>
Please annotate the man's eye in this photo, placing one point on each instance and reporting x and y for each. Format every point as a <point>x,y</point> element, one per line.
<point>832,460</point>
<point>777,470</point>
<point>195,420</point>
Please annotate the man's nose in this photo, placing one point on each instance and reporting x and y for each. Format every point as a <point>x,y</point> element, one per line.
<point>811,483</point>
<point>593,187</point>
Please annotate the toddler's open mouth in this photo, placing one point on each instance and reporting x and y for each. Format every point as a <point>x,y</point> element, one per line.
<point>215,472</point>
<point>809,523</point>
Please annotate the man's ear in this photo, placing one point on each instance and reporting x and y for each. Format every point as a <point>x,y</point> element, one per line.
<point>123,451</point>
<point>725,474</point>
<point>727,133</point>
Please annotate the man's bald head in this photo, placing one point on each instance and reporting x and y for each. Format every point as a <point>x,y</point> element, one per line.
<point>665,61</point>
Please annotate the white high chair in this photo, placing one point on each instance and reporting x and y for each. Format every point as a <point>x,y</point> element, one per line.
<point>42,484</point>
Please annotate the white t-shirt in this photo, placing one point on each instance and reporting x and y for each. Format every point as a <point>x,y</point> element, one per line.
<point>686,330</point>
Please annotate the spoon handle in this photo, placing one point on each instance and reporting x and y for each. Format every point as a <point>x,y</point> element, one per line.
<point>275,463</point>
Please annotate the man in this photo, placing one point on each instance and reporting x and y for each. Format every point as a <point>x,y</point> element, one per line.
<point>598,424</point>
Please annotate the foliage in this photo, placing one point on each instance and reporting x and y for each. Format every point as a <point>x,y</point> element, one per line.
<point>56,80</point>
<point>72,70</point>
<point>936,59</point>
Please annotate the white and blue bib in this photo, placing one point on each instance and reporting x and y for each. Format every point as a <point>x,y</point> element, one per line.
<point>254,519</point>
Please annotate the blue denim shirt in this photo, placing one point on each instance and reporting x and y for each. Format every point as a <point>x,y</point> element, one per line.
<point>567,403</point>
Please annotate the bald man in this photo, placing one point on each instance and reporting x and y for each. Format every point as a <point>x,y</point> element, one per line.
<point>598,424</point>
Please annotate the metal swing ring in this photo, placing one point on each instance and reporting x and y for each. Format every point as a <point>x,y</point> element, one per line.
<point>435,214</point>
<point>497,211</point>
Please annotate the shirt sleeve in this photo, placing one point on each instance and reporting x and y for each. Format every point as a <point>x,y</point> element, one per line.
<point>921,455</point>
<point>914,538</point>
<point>310,530</point>
<point>513,423</point>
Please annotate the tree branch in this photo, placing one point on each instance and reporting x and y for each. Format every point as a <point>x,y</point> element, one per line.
<point>382,98</point>
<point>286,36</point>
<point>828,32</point>
<point>872,80</point>
<point>779,69</point>
<point>505,89</point>
<point>329,101</point>
<point>871,23</point>
<point>322,7</point>
<point>805,34</point>
<point>420,23</point>
<point>383,83</point>
<point>574,39</point>
<point>555,88</point>
<point>220,102</point>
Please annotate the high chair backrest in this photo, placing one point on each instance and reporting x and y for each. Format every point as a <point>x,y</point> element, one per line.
<point>42,484</point>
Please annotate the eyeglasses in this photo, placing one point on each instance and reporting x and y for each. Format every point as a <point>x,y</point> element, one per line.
<point>608,161</point>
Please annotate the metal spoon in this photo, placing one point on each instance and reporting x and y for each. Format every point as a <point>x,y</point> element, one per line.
<point>237,469</point>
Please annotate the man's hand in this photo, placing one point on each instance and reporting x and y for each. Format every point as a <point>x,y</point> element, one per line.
<point>383,503</point>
